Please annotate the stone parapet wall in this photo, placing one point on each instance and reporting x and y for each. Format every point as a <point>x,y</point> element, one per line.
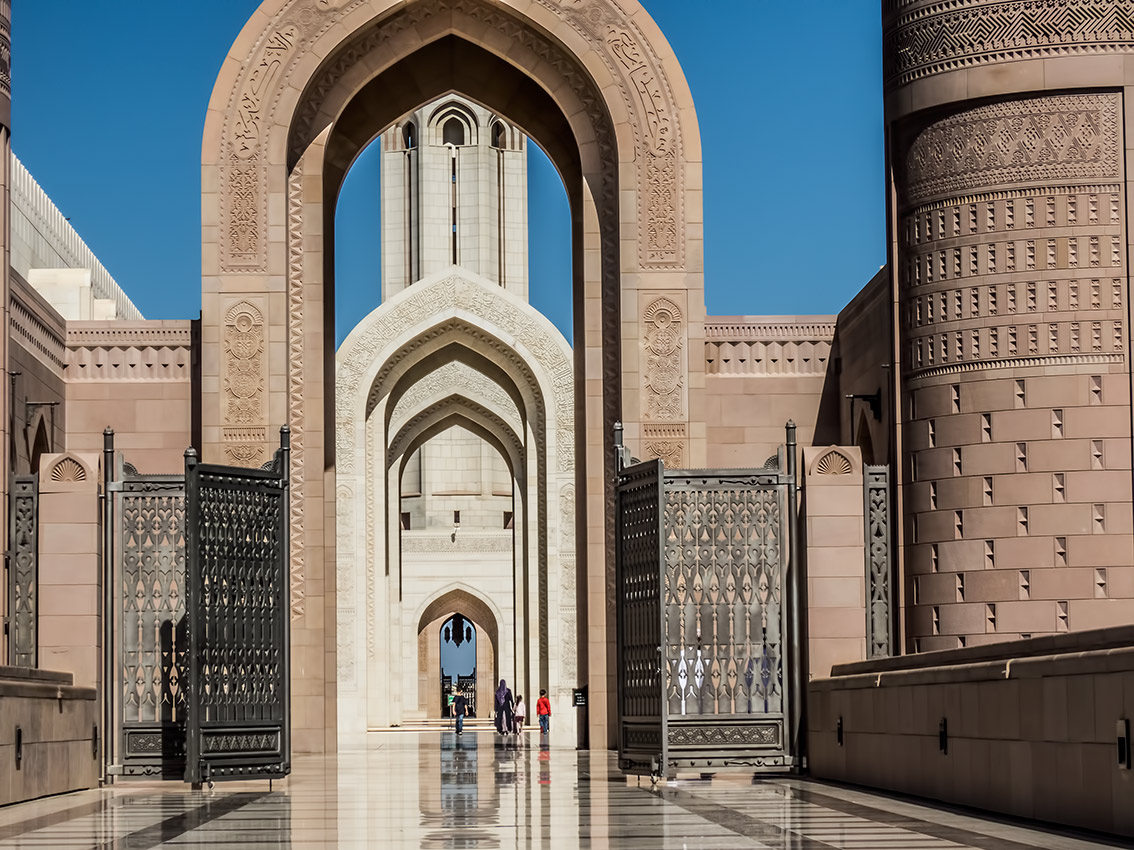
<point>58,750</point>
<point>134,377</point>
<point>1025,734</point>
<point>768,345</point>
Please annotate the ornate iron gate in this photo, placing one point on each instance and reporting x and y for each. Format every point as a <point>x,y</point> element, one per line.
<point>641,694</point>
<point>879,570</point>
<point>709,618</point>
<point>23,572</point>
<point>238,589</point>
<point>148,630</point>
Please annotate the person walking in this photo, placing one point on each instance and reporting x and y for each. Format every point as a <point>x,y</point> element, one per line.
<point>543,711</point>
<point>504,703</point>
<point>521,713</point>
<point>460,709</point>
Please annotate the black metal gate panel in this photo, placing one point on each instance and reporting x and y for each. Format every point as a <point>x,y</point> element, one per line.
<point>726,610</point>
<point>23,573</point>
<point>150,633</point>
<point>238,589</point>
<point>639,554</point>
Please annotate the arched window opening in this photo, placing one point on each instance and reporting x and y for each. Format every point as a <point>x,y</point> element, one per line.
<point>458,663</point>
<point>409,136</point>
<point>454,132</point>
<point>499,136</point>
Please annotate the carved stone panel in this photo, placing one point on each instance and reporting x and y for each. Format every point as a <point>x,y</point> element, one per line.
<point>664,360</point>
<point>245,380</point>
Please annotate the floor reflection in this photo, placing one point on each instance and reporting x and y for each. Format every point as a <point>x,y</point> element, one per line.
<point>438,790</point>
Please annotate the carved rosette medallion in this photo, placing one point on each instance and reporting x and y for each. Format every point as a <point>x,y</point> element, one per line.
<point>664,377</point>
<point>244,384</point>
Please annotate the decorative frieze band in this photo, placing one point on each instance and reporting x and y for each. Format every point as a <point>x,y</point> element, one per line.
<point>926,37</point>
<point>464,542</point>
<point>127,352</point>
<point>1017,363</point>
<point>1055,139</point>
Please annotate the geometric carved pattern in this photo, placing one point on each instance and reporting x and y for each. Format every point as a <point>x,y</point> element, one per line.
<point>1055,138</point>
<point>925,37</point>
<point>879,643</point>
<point>129,352</point>
<point>295,379</point>
<point>68,470</point>
<point>767,349</point>
<point>664,342</point>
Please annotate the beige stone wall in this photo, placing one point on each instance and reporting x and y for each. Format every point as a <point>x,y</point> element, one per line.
<point>1010,242</point>
<point>1031,728</point>
<point>861,358</point>
<point>834,534</point>
<point>37,352</point>
<point>134,377</point>
<point>762,371</point>
<point>70,585</point>
<point>57,720</point>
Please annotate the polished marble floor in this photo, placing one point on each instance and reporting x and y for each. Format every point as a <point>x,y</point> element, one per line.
<point>434,790</point>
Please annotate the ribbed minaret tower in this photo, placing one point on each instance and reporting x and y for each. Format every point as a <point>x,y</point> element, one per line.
<point>454,193</point>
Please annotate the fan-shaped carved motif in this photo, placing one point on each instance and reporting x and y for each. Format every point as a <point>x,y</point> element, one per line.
<point>68,469</point>
<point>833,463</point>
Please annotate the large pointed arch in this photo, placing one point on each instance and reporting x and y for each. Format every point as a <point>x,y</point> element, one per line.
<point>306,85</point>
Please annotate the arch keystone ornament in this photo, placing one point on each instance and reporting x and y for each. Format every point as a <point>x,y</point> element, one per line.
<point>306,85</point>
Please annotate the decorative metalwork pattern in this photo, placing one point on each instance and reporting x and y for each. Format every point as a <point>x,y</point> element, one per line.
<point>239,612</point>
<point>879,629</point>
<point>23,577</point>
<point>152,639</point>
<point>729,661</point>
<point>639,598</point>
<point>724,607</point>
<point>726,735</point>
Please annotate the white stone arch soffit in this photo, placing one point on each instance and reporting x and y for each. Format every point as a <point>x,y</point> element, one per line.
<point>455,377</point>
<point>447,399</point>
<point>455,410</point>
<point>417,321</point>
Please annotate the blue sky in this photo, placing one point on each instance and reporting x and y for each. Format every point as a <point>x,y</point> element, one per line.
<point>110,99</point>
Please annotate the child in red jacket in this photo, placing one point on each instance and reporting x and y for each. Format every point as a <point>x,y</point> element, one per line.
<point>543,709</point>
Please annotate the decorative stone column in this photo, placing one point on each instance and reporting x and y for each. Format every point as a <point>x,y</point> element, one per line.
<point>1009,249</point>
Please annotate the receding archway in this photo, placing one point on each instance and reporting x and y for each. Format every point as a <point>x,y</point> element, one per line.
<point>457,600</point>
<point>305,87</point>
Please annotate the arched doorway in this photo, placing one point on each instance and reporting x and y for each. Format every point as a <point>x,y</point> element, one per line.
<point>491,648</point>
<point>306,86</point>
<point>457,663</point>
